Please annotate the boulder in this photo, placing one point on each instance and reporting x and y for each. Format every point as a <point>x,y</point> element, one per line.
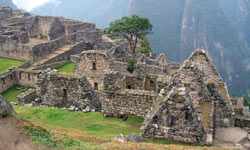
<point>120,138</point>
<point>231,135</point>
<point>5,108</point>
<point>135,138</point>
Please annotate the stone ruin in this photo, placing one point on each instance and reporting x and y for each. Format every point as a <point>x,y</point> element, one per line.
<point>65,90</point>
<point>192,106</point>
<point>185,104</point>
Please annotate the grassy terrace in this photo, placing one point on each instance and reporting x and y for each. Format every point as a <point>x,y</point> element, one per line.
<point>12,93</point>
<point>7,63</point>
<point>67,67</point>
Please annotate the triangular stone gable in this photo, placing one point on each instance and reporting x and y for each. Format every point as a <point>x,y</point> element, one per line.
<point>178,115</point>
<point>170,117</point>
<point>162,59</point>
<point>201,59</point>
<point>204,64</point>
<point>56,29</point>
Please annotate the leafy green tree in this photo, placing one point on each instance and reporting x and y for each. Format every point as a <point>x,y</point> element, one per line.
<point>146,48</point>
<point>131,65</point>
<point>132,29</point>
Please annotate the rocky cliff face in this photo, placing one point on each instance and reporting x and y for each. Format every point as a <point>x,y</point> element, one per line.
<point>181,26</point>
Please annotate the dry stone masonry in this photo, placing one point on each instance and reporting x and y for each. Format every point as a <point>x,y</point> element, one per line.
<point>189,108</point>
<point>181,103</point>
<point>65,90</point>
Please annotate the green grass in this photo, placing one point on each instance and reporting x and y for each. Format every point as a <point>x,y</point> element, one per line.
<point>79,123</point>
<point>43,137</point>
<point>67,67</point>
<point>7,63</point>
<point>63,129</point>
<point>12,93</point>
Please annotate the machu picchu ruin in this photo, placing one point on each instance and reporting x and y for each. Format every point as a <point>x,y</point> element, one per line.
<point>186,103</point>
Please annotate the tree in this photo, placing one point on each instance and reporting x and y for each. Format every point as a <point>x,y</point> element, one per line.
<point>131,65</point>
<point>132,29</point>
<point>145,48</point>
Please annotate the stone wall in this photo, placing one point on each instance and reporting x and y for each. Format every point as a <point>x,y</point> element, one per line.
<point>43,49</point>
<point>74,49</point>
<point>190,107</point>
<point>93,64</point>
<point>7,80</point>
<point>27,97</point>
<point>65,90</point>
<point>128,94</point>
<point>46,26</point>
<point>127,102</point>
<point>9,47</point>
<point>71,28</point>
<point>5,12</point>
<point>89,37</point>
<point>27,78</point>
<point>51,65</point>
<point>242,122</point>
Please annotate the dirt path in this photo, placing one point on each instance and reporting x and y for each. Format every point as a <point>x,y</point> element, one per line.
<point>11,139</point>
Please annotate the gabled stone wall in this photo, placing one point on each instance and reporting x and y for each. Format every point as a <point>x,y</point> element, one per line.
<point>190,107</point>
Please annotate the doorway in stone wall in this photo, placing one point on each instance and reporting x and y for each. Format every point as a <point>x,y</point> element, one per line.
<point>206,115</point>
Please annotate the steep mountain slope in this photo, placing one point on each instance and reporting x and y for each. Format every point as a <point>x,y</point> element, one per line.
<point>238,14</point>
<point>181,26</point>
<point>166,17</point>
<point>101,12</point>
<point>7,3</point>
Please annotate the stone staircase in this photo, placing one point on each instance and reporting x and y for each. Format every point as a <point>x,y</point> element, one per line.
<point>47,58</point>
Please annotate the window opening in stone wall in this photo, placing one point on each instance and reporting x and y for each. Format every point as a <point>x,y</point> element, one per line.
<point>94,66</point>
<point>11,77</point>
<point>65,93</point>
<point>28,76</point>
<point>129,87</point>
<point>3,81</point>
<point>152,84</point>
<point>188,116</point>
<point>96,86</point>
<point>20,76</point>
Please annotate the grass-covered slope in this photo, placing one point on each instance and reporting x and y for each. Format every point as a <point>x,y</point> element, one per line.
<point>7,63</point>
<point>79,124</point>
<point>87,131</point>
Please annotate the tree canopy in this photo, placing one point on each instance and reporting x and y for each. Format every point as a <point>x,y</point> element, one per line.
<point>130,28</point>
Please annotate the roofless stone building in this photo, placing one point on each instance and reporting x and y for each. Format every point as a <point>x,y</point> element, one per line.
<point>192,105</point>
